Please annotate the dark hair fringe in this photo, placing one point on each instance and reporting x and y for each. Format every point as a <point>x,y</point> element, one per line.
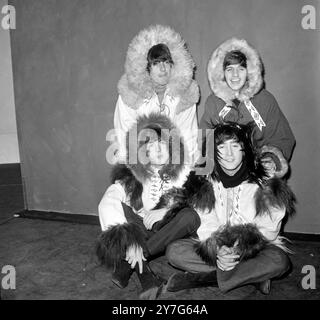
<point>275,193</point>
<point>235,57</point>
<point>112,244</point>
<point>157,53</point>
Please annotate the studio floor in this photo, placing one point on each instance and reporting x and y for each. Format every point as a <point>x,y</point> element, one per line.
<point>56,260</point>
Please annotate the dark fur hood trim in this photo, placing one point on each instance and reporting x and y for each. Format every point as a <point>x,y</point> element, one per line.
<point>135,85</point>
<point>275,193</point>
<point>156,122</point>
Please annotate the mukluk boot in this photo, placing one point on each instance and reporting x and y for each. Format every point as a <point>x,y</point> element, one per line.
<point>121,274</point>
<point>188,280</point>
<point>264,287</point>
<point>111,249</point>
<point>151,284</point>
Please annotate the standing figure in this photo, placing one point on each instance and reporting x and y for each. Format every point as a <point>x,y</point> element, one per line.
<point>158,78</point>
<point>235,73</point>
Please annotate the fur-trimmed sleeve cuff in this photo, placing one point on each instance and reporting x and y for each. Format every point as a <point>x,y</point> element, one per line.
<point>113,243</point>
<point>277,157</point>
<point>275,193</point>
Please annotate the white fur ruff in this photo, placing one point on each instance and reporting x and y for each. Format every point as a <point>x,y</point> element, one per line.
<point>216,73</point>
<point>135,85</point>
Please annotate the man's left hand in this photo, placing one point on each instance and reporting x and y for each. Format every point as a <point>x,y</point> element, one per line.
<point>153,216</point>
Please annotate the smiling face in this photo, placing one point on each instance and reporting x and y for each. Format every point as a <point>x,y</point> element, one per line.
<point>160,72</point>
<point>230,156</point>
<point>236,76</point>
<point>158,152</point>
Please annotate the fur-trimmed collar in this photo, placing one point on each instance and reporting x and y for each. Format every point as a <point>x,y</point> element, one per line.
<point>216,74</point>
<point>169,133</point>
<point>135,85</point>
<point>272,193</point>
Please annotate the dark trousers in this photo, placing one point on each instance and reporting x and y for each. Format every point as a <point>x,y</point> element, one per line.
<point>270,263</point>
<point>182,225</point>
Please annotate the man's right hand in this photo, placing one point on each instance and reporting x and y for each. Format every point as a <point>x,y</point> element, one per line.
<point>226,258</point>
<point>135,255</point>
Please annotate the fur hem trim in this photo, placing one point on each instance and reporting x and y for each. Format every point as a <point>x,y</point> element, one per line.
<point>216,74</point>
<point>169,133</point>
<point>113,243</point>
<point>246,239</point>
<point>274,193</point>
<point>277,156</point>
<point>135,85</point>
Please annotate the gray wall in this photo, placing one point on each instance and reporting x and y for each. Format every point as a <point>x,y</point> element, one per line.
<point>69,55</point>
<point>9,151</point>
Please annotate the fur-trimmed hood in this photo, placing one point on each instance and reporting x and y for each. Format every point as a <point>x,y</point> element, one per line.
<point>139,132</point>
<point>135,85</point>
<point>216,77</point>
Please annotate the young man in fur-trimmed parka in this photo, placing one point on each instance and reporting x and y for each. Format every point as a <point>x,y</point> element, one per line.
<point>137,217</point>
<point>241,213</point>
<point>235,74</point>
<point>158,78</point>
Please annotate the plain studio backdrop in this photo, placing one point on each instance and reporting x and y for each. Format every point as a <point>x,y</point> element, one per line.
<point>67,57</point>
